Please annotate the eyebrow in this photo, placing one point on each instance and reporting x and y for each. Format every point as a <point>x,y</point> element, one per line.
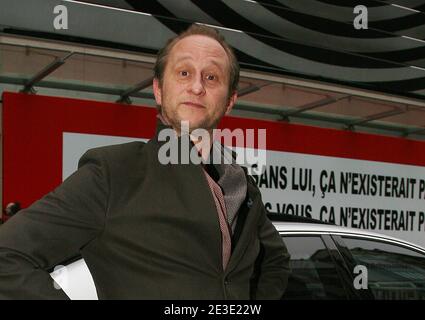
<point>187,57</point>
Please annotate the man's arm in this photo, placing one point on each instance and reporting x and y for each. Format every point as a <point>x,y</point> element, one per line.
<point>53,230</point>
<point>273,264</point>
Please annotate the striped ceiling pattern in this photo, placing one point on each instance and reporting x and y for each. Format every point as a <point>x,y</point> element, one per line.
<point>313,39</point>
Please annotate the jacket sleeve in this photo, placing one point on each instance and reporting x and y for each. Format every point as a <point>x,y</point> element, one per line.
<point>53,230</point>
<point>273,262</point>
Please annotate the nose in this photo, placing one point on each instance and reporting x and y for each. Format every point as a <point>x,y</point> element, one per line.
<point>197,85</point>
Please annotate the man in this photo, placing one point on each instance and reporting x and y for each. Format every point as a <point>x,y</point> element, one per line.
<point>149,230</point>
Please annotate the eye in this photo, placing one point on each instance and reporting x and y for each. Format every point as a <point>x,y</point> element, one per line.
<point>211,77</point>
<point>183,73</point>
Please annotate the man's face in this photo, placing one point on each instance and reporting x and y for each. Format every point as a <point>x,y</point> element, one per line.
<point>195,84</point>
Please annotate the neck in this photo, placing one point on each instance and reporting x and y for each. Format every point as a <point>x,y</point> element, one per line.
<point>202,140</point>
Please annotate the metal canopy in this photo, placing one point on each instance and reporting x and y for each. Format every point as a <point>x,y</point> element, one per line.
<point>125,96</point>
<point>30,62</point>
<point>312,105</point>
<point>378,116</point>
<point>422,130</point>
<point>30,83</point>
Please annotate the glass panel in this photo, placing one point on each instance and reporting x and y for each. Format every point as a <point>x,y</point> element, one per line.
<point>24,62</point>
<point>359,107</point>
<point>313,273</point>
<point>393,272</point>
<point>415,117</point>
<point>101,71</point>
<point>79,69</point>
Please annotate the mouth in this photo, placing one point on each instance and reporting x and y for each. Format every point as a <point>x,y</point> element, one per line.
<point>193,105</point>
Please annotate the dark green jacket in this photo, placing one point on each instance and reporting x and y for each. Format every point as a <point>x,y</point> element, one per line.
<point>145,230</point>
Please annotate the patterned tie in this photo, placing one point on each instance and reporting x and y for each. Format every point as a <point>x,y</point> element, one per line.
<point>221,210</point>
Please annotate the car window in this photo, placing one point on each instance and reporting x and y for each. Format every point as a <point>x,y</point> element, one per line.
<point>313,273</point>
<point>393,272</point>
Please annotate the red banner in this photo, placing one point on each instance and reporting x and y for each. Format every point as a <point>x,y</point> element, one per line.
<point>33,128</point>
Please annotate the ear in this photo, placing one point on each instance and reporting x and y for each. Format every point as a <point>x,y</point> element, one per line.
<point>232,101</point>
<point>157,91</point>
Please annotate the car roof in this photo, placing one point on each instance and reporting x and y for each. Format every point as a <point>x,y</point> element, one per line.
<point>312,228</point>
